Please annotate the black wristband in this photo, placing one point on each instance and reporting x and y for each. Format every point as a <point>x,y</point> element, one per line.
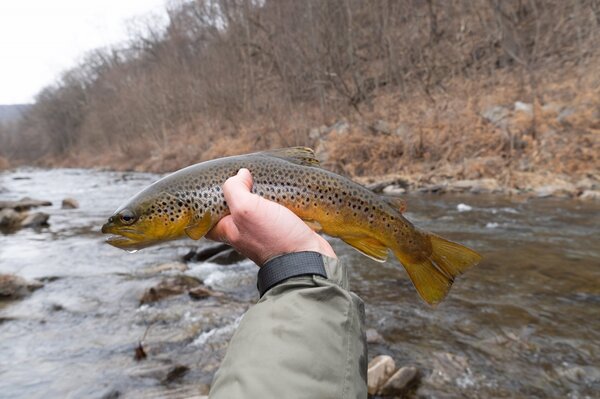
<point>287,266</point>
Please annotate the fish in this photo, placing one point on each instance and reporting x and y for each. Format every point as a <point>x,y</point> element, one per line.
<point>190,201</point>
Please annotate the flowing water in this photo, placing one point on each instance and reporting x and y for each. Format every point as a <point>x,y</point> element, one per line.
<point>524,323</point>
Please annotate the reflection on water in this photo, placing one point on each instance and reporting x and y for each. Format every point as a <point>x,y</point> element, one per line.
<point>523,323</point>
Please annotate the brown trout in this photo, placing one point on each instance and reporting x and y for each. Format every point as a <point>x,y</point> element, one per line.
<point>190,202</point>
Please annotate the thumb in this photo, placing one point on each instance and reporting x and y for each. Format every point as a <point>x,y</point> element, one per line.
<point>237,190</point>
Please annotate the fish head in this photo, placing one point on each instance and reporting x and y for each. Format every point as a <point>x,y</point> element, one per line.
<point>147,219</point>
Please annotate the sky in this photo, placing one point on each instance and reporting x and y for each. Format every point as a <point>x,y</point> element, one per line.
<point>41,38</point>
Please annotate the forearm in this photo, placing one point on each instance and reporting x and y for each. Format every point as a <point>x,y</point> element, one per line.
<point>303,339</point>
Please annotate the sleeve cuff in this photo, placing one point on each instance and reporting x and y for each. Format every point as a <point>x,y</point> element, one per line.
<point>287,266</point>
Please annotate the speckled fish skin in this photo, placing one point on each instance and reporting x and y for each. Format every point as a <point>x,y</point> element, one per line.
<point>190,202</point>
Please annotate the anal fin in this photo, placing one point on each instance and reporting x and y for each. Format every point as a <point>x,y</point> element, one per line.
<point>368,246</point>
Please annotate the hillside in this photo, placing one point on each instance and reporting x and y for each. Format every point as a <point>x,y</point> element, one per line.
<point>425,92</point>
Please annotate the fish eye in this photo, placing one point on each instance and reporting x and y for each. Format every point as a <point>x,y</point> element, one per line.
<point>127,217</point>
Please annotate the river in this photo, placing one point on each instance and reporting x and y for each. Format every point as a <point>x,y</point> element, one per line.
<point>524,323</point>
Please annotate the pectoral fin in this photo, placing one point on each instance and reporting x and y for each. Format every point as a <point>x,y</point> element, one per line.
<point>199,229</point>
<point>368,246</point>
<point>314,225</point>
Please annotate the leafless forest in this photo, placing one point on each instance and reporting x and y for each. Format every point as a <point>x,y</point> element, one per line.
<point>473,86</point>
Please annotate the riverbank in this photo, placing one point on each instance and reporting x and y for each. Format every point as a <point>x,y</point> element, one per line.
<point>494,141</point>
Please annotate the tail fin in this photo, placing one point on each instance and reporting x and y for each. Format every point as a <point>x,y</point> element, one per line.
<point>433,276</point>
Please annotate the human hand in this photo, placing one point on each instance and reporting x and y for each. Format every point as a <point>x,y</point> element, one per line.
<point>263,229</point>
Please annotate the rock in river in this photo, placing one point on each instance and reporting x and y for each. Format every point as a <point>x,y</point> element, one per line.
<point>221,254</point>
<point>379,370</point>
<point>202,292</point>
<point>400,382</point>
<point>10,219</point>
<point>169,267</point>
<point>23,204</point>
<point>70,203</point>
<point>373,337</point>
<point>14,287</point>
<point>205,253</point>
<point>169,287</point>
<point>37,219</point>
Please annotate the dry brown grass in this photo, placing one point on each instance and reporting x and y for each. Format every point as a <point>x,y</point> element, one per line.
<point>432,137</point>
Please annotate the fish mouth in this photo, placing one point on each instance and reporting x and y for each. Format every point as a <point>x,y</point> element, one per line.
<point>125,238</point>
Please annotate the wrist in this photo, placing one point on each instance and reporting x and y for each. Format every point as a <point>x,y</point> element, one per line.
<point>283,267</point>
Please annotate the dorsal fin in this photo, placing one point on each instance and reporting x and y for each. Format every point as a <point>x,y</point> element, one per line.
<point>396,203</point>
<point>299,155</point>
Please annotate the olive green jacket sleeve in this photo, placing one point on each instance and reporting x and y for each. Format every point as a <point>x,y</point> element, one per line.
<point>303,339</point>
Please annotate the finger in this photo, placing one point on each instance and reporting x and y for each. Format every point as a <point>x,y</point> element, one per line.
<point>225,231</point>
<point>237,191</point>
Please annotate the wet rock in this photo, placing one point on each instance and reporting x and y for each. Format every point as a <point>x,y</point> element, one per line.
<point>70,203</point>
<point>205,253</point>
<point>169,287</point>
<point>228,257</point>
<point>112,394</point>
<point>373,336</point>
<point>176,373</point>
<point>379,370</point>
<point>10,219</point>
<point>24,204</point>
<point>590,195</point>
<point>401,382</point>
<point>37,219</point>
<point>15,287</point>
<point>202,292</point>
<point>166,267</point>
